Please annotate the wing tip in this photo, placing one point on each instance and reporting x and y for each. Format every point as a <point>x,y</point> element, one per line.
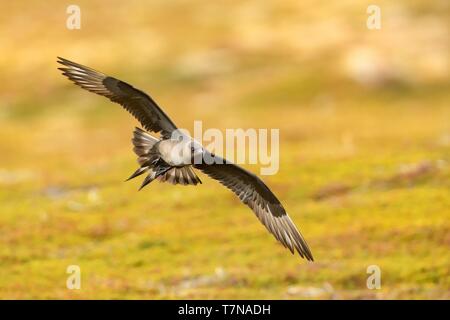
<point>308,256</point>
<point>63,61</point>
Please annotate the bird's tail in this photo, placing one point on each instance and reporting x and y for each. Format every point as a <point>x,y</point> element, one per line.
<point>143,144</point>
<point>180,175</point>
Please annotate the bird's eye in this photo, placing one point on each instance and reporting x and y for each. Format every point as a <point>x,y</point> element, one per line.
<point>192,149</point>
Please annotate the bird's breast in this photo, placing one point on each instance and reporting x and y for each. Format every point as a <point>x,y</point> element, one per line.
<point>174,153</point>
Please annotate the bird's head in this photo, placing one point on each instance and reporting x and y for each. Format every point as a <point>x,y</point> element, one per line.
<point>196,152</point>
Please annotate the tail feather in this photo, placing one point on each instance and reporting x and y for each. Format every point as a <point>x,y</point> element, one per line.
<point>180,175</point>
<point>138,172</point>
<point>151,176</point>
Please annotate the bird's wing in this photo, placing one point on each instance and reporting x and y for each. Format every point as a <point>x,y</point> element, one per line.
<point>254,193</point>
<point>138,103</point>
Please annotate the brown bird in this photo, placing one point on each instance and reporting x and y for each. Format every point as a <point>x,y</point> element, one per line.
<point>172,157</point>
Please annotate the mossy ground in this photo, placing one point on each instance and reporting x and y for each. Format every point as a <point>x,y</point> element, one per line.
<point>364,167</point>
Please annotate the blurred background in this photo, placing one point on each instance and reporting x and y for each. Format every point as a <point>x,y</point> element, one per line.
<point>364,145</point>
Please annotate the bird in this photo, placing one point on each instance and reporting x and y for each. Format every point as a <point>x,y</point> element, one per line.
<point>173,157</point>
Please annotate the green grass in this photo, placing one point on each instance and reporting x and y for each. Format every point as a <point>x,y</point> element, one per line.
<point>364,170</point>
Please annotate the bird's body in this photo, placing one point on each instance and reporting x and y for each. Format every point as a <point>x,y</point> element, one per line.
<point>166,159</point>
<point>174,152</point>
<point>165,149</point>
<point>174,156</point>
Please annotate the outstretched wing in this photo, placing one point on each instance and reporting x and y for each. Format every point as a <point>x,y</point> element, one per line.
<point>254,193</point>
<point>138,103</point>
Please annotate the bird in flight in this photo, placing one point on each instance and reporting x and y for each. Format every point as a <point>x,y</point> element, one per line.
<point>172,158</point>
